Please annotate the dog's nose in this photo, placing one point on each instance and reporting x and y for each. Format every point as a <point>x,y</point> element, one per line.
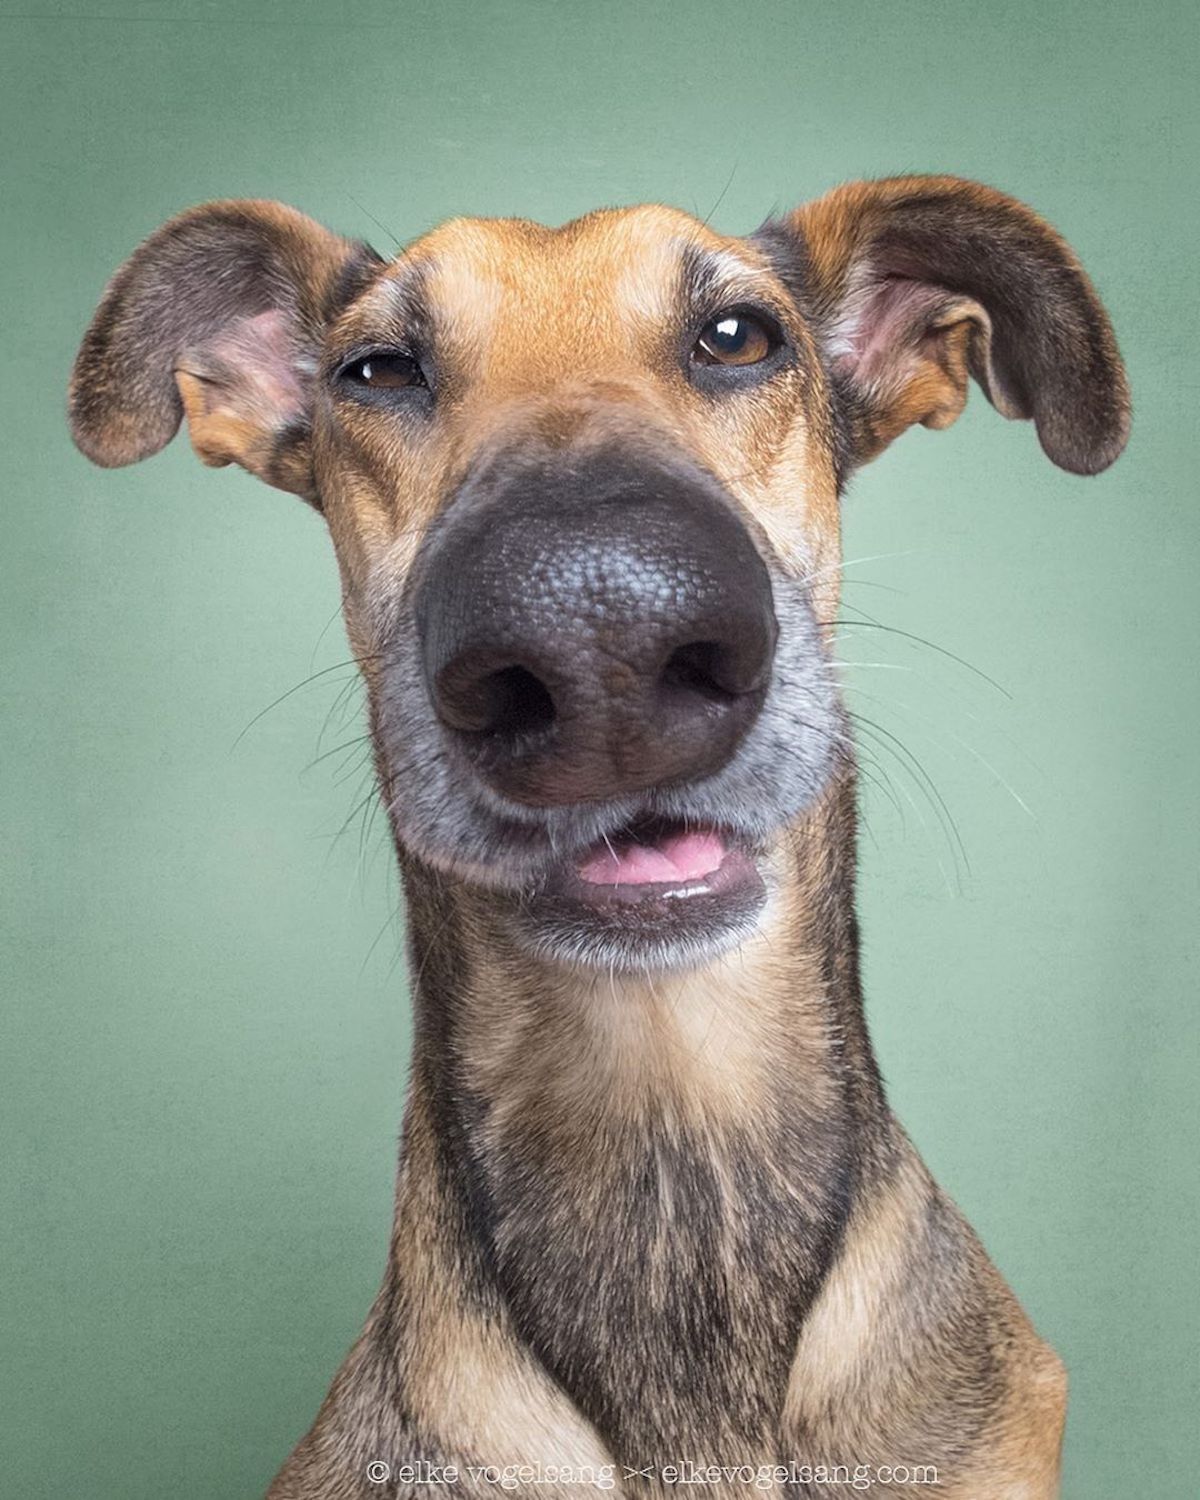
<point>594,630</point>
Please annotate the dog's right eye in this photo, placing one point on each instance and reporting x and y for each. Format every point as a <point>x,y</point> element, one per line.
<point>383,372</point>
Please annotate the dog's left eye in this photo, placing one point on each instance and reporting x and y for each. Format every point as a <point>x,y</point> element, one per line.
<point>735,338</point>
<point>387,372</point>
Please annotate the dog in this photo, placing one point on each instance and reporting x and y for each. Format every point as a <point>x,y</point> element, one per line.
<point>654,1217</point>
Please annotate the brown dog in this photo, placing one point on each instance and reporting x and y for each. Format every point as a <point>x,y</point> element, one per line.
<point>653,1211</point>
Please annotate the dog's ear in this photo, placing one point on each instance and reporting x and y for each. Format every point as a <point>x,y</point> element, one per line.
<point>914,283</point>
<point>219,315</point>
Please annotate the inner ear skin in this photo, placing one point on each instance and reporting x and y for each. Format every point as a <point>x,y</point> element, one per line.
<point>909,351</point>
<point>241,389</point>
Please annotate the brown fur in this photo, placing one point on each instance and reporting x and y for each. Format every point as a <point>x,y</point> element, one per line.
<point>658,1218</point>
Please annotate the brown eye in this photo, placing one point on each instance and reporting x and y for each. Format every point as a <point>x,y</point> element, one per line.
<point>734,339</point>
<point>384,372</point>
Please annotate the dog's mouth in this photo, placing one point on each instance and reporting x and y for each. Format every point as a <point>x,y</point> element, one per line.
<point>656,859</point>
<point>653,893</point>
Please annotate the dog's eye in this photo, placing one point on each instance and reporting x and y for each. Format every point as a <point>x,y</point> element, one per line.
<point>735,338</point>
<point>384,372</point>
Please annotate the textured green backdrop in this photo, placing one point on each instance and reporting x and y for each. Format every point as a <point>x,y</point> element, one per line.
<point>205,1016</point>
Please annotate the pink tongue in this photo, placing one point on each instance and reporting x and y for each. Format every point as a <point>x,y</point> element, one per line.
<point>674,858</point>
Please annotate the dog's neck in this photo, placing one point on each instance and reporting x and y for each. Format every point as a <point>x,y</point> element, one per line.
<point>649,1176</point>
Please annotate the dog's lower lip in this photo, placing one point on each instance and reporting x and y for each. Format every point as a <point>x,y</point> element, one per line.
<point>602,908</point>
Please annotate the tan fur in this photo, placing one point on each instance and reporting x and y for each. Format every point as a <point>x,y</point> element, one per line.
<point>699,1044</point>
<point>851,1385</point>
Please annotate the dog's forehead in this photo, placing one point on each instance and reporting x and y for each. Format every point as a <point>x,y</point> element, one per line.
<point>648,241</point>
<point>610,272</point>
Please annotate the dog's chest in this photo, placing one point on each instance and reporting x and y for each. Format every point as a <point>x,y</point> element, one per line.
<point>662,1278</point>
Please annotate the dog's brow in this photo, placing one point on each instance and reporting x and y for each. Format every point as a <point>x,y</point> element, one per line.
<point>397,307</point>
<point>710,276</point>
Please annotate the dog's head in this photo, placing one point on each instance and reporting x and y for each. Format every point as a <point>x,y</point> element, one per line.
<point>583,486</point>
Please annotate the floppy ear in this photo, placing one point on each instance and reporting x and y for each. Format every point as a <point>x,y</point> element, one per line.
<point>219,315</point>
<point>914,283</point>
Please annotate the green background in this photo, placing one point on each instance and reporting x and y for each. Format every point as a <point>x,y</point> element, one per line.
<point>205,1019</point>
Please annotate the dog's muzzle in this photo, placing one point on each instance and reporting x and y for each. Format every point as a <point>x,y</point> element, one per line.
<point>601,701</point>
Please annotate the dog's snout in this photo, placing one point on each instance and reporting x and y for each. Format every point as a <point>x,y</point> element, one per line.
<point>591,631</point>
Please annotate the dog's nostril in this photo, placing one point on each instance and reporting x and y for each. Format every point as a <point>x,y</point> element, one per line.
<point>507,702</point>
<point>696,668</point>
<point>710,670</point>
<point>520,703</point>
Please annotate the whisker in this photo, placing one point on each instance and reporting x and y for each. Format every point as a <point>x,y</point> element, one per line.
<point>340,705</point>
<point>858,562</point>
<point>324,631</point>
<point>340,666</point>
<point>721,194</point>
<point>382,227</point>
<point>922,777</point>
<point>361,739</point>
<point>869,623</point>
